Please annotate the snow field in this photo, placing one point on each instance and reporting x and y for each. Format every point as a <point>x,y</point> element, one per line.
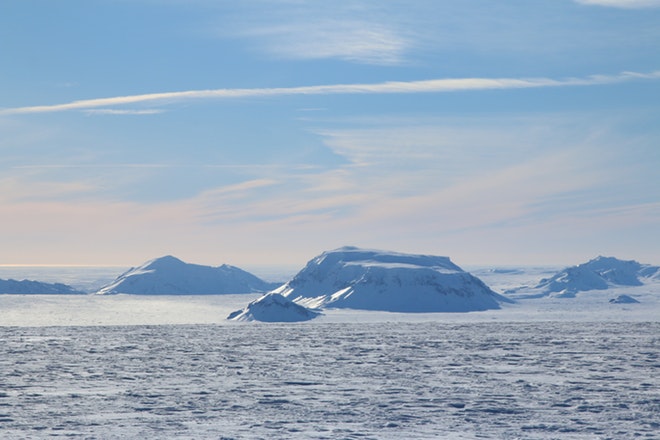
<point>317,380</point>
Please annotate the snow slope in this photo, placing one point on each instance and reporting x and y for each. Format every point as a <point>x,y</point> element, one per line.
<point>601,273</point>
<point>170,276</point>
<point>273,308</point>
<point>365,279</point>
<point>25,287</point>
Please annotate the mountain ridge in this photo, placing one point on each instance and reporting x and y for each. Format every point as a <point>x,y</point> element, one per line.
<point>32,287</point>
<point>600,273</point>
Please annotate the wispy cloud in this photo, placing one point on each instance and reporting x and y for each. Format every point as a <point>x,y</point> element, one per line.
<point>390,87</point>
<point>241,188</point>
<point>14,189</point>
<point>107,111</point>
<point>630,4</point>
<point>473,195</point>
<point>362,31</point>
<point>355,41</point>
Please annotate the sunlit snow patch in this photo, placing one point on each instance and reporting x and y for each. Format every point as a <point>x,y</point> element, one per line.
<point>273,308</point>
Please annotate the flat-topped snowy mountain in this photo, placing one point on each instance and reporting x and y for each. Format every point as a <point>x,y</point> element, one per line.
<point>273,307</point>
<point>28,287</point>
<point>171,276</point>
<point>365,279</point>
<point>598,274</point>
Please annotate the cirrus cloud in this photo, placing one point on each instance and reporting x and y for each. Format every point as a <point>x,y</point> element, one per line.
<point>390,87</point>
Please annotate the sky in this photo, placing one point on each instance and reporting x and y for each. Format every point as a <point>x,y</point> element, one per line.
<point>264,132</point>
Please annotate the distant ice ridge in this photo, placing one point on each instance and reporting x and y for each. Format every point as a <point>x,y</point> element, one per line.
<point>355,278</point>
<point>601,273</point>
<point>273,308</point>
<point>28,287</point>
<point>170,276</point>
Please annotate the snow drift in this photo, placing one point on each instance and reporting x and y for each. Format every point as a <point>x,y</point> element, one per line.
<point>170,276</point>
<point>27,287</point>
<point>273,308</point>
<point>356,278</point>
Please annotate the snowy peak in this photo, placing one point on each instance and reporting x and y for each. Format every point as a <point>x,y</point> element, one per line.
<point>165,263</point>
<point>273,308</point>
<point>351,277</point>
<point>598,274</point>
<point>620,272</point>
<point>170,276</point>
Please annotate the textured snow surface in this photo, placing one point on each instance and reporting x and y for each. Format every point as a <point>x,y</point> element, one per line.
<point>273,308</point>
<point>171,276</point>
<point>378,280</point>
<point>544,380</point>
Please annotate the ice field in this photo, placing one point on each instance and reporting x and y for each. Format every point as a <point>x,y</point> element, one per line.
<point>125,367</point>
<point>376,380</point>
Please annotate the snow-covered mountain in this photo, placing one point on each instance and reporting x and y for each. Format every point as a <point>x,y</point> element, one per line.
<point>624,299</point>
<point>598,274</point>
<point>365,279</point>
<point>25,287</point>
<point>170,276</point>
<point>273,307</point>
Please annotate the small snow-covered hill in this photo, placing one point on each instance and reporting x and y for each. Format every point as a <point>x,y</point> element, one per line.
<point>624,299</point>
<point>26,287</point>
<point>170,276</point>
<point>273,307</point>
<point>598,274</point>
<point>365,279</point>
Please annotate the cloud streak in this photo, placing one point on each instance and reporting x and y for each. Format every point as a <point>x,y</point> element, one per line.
<point>107,111</point>
<point>390,87</point>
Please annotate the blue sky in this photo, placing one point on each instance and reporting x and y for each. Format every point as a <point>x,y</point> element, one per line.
<point>264,132</point>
